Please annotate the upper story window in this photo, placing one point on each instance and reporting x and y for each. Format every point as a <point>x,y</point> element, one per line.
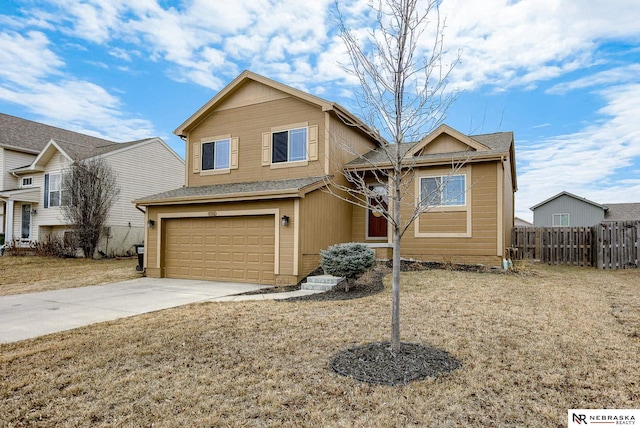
<point>216,154</point>
<point>289,145</point>
<point>54,196</point>
<point>443,191</point>
<point>561,220</point>
<point>26,182</point>
<point>55,190</point>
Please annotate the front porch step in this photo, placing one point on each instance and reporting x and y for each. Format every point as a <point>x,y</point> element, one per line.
<point>321,282</point>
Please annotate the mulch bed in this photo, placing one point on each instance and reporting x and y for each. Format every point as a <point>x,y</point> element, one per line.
<point>378,363</point>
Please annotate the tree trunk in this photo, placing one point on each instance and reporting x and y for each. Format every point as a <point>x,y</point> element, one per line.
<point>397,236</point>
<point>395,295</point>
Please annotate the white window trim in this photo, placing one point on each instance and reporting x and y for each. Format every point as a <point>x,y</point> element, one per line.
<point>553,220</point>
<point>22,179</point>
<point>51,175</point>
<point>466,170</point>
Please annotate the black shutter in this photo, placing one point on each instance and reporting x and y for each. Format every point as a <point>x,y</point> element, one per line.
<point>46,190</point>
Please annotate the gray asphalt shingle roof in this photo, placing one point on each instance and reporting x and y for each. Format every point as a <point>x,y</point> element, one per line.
<point>499,142</point>
<point>80,151</point>
<point>248,188</point>
<point>622,212</point>
<point>32,136</point>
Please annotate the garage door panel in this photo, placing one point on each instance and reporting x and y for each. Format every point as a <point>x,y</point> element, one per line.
<point>221,248</point>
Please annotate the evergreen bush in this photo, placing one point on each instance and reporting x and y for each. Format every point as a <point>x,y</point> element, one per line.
<point>348,260</point>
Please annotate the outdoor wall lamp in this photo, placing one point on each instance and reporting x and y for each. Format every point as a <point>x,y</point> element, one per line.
<point>285,220</point>
<point>151,223</point>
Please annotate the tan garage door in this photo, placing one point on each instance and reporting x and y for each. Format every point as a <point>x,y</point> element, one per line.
<point>238,249</point>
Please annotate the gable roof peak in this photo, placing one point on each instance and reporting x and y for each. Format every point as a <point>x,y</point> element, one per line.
<point>571,195</point>
<point>236,84</point>
<point>247,76</point>
<point>469,141</point>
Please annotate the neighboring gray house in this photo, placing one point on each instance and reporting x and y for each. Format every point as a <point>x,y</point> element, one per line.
<point>568,210</point>
<point>33,156</point>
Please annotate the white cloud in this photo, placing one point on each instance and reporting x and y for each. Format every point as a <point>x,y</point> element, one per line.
<point>613,76</point>
<point>31,75</point>
<point>589,162</point>
<point>24,60</point>
<point>520,43</point>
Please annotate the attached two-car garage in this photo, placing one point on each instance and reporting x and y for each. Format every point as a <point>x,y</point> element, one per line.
<point>221,248</point>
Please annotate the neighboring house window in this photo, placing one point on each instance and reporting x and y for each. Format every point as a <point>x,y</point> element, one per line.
<point>53,194</point>
<point>561,220</point>
<point>289,146</point>
<point>216,154</point>
<point>443,191</point>
<point>26,182</point>
<point>26,222</point>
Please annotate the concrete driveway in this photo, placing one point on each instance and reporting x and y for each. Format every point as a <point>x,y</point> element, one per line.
<point>24,316</point>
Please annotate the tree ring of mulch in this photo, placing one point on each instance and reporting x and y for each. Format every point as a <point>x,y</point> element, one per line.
<point>377,363</point>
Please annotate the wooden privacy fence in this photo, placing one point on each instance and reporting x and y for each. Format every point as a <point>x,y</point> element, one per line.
<point>614,245</point>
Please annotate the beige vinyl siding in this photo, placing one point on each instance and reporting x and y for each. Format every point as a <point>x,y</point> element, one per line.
<point>51,216</point>
<point>11,159</point>
<point>142,170</point>
<point>325,221</point>
<point>482,246</point>
<point>248,124</point>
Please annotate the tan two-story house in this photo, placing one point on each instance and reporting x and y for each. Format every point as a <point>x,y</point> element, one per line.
<point>254,208</point>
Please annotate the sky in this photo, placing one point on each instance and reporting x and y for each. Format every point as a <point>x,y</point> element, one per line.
<point>563,75</point>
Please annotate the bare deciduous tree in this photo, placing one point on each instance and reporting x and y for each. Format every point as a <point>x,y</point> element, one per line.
<point>89,189</point>
<point>403,78</point>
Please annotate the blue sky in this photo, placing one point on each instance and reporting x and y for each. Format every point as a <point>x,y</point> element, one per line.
<point>563,75</point>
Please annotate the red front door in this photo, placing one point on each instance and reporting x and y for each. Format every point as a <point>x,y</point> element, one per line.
<point>377,224</point>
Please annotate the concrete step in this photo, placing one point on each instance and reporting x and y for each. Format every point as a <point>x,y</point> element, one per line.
<point>321,282</point>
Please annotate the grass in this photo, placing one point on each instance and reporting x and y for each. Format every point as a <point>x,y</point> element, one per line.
<point>29,274</point>
<point>531,347</point>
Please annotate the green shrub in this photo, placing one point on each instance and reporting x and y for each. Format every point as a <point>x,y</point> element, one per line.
<point>348,260</point>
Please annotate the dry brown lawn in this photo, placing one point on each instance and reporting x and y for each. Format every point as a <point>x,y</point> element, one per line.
<point>29,274</point>
<point>531,346</point>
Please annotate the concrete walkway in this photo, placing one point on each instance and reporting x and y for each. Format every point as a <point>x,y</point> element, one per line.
<point>24,316</point>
